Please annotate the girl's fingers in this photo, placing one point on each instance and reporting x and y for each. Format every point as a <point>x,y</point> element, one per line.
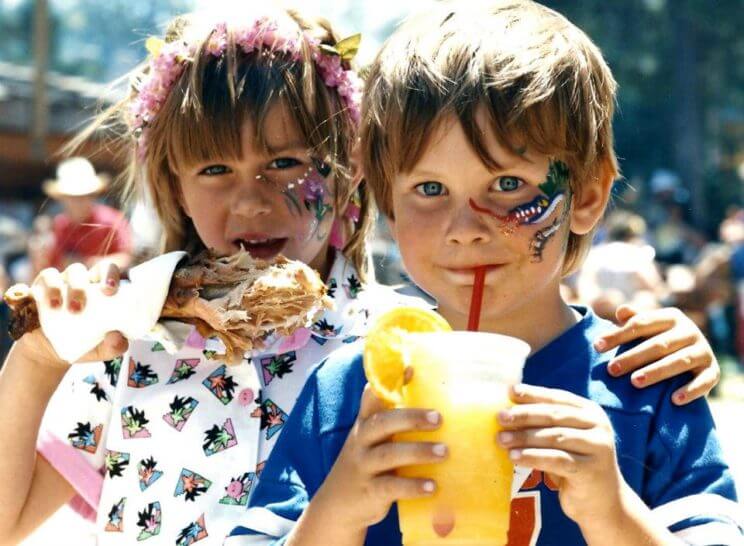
<point>555,461</point>
<point>578,441</point>
<point>684,360</point>
<point>76,277</point>
<point>530,394</point>
<point>700,386</point>
<point>546,415</point>
<point>51,283</point>
<point>392,487</point>
<point>644,325</point>
<point>651,350</point>
<point>113,345</point>
<point>391,455</point>
<point>380,426</point>
<point>110,276</point>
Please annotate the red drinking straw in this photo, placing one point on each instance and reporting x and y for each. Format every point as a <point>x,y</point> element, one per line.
<point>476,300</point>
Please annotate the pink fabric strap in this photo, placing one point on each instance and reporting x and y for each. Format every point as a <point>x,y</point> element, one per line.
<point>73,467</point>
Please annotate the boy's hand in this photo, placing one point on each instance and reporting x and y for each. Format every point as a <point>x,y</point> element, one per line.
<point>362,483</point>
<point>675,345</point>
<point>68,289</point>
<point>572,440</point>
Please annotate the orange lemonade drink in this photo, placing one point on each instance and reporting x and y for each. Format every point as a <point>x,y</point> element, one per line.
<point>465,376</point>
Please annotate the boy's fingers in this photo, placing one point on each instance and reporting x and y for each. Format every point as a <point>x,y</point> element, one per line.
<point>640,326</point>
<point>625,312</point>
<point>700,386</point>
<point>546,415</point>
<point>380,426</point>
<point>577,441</point>
<point>370,403</point>
<point>651,350</point>
<point>555,461</point>
<point>392,487</point>
<point>76,276</point>
<point>391,455</point>
<point>51,283</point>
<point>689,358</point>
<point>530,394</point>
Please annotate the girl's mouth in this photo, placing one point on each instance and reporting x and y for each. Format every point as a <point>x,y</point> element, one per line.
<point>262,248</point>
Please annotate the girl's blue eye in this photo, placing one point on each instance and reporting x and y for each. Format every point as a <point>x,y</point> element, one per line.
<point>284,163</point>
<point>431,189</point>
<point>214,170</point>
<point>508,183</point>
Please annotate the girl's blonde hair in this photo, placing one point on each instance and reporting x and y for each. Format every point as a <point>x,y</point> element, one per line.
<point>213,96</point>
<point>541,80</point>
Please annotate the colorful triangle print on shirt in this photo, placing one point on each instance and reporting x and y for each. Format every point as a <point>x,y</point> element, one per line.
<point>112,368</point>
<point>133,423</point>
<point>140,375</point>
<point>86,437</point>
<point>221,385</point>
<point>193,532</point>
<point>115,523</point>
<point>272,417</point>
<point>237,491</point>
<point>115,463</point>
<point>148,520</point>
<point>218,439</point>
<point>277,366</point>
<point>148,472</point>
<point>96,389</point>
<point>180,410</point>
<point>184,368</point>
<point>157,347</point>
<point>191,485</point>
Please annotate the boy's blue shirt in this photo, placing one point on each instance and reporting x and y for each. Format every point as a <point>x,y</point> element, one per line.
<point>669,455</point>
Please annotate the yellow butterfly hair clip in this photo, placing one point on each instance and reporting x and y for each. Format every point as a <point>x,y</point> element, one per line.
<point>346,48</point>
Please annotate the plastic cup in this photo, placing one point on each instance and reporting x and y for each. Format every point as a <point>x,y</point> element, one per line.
<point>465,376</point>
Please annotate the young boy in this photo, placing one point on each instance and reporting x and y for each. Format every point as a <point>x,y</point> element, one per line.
<point>487,139</point>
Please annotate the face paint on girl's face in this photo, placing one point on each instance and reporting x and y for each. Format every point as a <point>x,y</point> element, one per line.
<point>307,195</point>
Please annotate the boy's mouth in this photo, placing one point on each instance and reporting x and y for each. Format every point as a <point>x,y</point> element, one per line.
<point>466,275</point>
<point>261,247</point>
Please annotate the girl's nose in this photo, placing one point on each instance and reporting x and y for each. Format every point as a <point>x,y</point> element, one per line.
<point>252,197</point>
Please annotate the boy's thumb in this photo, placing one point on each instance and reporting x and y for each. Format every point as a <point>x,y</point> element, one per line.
<point>370,404</point>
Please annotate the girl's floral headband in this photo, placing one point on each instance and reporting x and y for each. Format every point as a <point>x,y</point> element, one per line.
<point>169,59</point>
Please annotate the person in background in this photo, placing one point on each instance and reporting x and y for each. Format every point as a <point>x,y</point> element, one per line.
<point>86,231</point>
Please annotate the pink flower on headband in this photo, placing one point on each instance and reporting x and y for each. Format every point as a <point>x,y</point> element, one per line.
<point>169,60</point>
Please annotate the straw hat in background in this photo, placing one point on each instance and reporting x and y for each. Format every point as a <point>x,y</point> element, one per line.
<point>76,177</point>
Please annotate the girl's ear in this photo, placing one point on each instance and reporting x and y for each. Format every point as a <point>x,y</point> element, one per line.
<point>588,205</point>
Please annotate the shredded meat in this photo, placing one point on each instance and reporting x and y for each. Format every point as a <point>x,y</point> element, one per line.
<point>236,298</point>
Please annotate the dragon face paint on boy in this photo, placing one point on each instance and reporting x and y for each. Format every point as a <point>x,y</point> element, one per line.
<point>537,211</point>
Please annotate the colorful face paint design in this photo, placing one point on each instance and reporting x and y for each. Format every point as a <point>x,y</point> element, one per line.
<point>543,236</point>
<point>539,209</point>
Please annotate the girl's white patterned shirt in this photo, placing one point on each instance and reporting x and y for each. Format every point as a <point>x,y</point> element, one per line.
<point>166,447</point>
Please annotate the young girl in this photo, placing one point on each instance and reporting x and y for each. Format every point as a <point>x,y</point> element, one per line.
<point>242,126</point>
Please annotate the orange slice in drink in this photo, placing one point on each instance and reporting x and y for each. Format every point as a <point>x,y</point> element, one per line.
<point>384,348</point>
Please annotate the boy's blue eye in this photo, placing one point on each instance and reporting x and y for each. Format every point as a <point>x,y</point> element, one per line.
<point>430,189</point>
<point>284,163</point>
<point>508,183</point>
<point>214,170</point>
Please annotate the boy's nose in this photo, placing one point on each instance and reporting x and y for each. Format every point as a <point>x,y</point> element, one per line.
<point>468,228</point>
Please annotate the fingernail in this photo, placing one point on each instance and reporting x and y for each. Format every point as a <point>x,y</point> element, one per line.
<point>428,486</point>
<point>515,454</point>
<point>680,397</point>
<point>506,417</point>
<point>639,379</point>
<point>111,283</point>
<point>433,417</point>
<point>506,437</point>
<point>75,306</point>
<point>518,390</point>
<point>55,303</point>
<point>614,368</point>
<point>439,450</point>
<point>600,345</point>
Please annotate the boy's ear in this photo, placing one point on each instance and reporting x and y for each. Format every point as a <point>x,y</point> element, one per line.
<point>588,207</point>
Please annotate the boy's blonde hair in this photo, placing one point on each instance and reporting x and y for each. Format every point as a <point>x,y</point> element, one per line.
<point>201,119</point>
<point>541,80</point>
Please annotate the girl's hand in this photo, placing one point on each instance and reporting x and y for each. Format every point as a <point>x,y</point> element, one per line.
<point>571,439</point>
<point>68,289</point>
<point>362,484</point>
<point>675,345</point>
